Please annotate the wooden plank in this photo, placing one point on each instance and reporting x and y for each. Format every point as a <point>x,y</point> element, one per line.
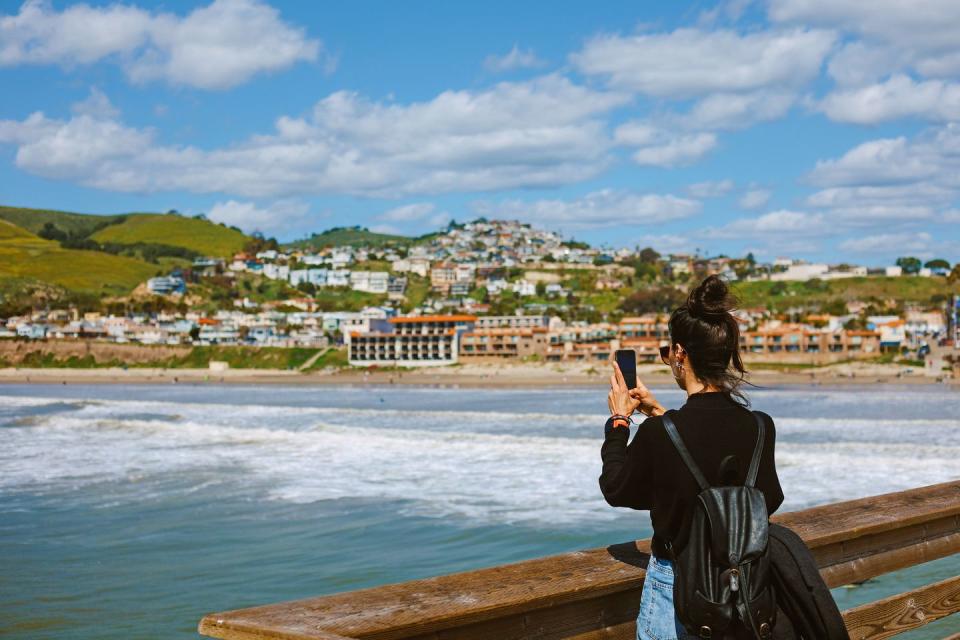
<point>905,527</point>
<point>905,611</point>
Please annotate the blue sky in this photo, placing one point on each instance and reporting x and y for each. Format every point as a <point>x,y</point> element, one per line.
<point>821,129</point>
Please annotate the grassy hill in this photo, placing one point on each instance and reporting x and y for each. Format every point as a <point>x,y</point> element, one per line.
<point>783,295</point>
<point>77,223</point>
<point>24,256</point>
<point>196,234</point>
<point>349,236</point>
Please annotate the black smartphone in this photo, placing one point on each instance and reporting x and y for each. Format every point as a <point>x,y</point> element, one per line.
<point>627,361</point>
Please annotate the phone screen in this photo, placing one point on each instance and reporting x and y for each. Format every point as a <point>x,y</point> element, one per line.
<point>627,361</point>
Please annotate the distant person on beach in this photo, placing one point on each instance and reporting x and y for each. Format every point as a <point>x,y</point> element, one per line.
<point>716,427</point>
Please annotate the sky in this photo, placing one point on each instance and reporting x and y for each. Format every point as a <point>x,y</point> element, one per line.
<point>827,130</point>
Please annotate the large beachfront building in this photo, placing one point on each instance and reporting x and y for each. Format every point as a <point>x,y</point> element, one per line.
<point>505,343</point>
<point>411,341</point>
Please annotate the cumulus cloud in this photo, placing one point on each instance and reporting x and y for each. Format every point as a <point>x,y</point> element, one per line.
<point>660,146</point>
<point>930,25</point>
<point>544,132</point>
<point>417,213</point>
<point>710,188</point>
<point>782,223</point>
<point>693,62</point>
<point>676,151</point>
<point>281,216</point>
<point>919,242</point>
<point>516,58</point>
<point>216,46</point>
<point>755,198</point>
<point>897,97</point>
<point>604,208</point>
<point>892,179</point>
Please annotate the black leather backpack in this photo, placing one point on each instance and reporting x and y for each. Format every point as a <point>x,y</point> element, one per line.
<point>722,577</point>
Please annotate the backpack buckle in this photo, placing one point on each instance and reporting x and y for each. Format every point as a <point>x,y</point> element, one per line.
<point>706,632</point>
<point>765,630</point>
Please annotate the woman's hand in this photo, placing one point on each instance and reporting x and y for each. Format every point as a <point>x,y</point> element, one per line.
<point>647,403</point>
<point>619,399</point>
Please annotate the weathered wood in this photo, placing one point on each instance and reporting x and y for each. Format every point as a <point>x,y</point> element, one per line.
<point>595,594</point>
<point>905,611</point>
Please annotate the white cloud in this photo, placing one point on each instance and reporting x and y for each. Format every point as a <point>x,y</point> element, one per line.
<point>516,58</point>
<point>953,215</point>
<point>96,105</point>
<point>692,62</point>
<point>408,212</point>
<point>755,198</point>
<point>897,97</point>
<point>891,179</point>
<point>710,189</point>
<point>677,151</point>
<point>666,243</point>
<point>604,208</point>
<point>737,110</point>
<point>213,47</point>
<point>919,242</point>
<point>782,224</point>
<point>930,25</point>
<point>280,216</point>
<point>544,132</point>
<point>661,146</point>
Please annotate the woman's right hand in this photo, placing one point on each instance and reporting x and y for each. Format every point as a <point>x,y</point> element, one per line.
<point>648,403</point>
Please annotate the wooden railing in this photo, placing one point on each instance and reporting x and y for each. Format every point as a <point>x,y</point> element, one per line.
<point>595,594</point>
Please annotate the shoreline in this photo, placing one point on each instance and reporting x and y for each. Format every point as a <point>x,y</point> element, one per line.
<point>468,376</point>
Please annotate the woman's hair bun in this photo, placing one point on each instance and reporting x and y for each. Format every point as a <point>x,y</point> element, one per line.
<point>710,299</point>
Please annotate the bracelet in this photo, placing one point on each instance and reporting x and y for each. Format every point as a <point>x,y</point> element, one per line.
<point>617,417</point>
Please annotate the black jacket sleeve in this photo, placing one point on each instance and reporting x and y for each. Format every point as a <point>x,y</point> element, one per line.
<point>627,475</point>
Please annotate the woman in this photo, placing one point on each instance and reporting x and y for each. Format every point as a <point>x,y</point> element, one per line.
<point>715,425</point>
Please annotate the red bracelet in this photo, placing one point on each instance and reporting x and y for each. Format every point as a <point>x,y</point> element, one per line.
<point>616,418</point>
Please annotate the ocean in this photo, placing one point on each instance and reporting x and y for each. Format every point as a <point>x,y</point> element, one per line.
<point>132,511</point>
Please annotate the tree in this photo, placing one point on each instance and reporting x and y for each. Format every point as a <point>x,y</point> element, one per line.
<point>909,264</point>
<point>751,260</point>
<point>649,256</point>
<point>937,263</point>
<point>541,289</point>
<point>954,276</point>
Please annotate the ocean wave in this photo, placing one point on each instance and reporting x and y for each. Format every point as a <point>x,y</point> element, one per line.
<point>522,476</point>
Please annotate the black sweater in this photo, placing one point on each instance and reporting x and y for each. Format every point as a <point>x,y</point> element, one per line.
<point>649,474</point>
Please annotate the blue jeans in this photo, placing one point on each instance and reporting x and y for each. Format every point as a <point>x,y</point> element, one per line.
<point>657,619</point>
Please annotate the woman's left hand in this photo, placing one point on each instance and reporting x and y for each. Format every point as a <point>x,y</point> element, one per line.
<point>619,400</point>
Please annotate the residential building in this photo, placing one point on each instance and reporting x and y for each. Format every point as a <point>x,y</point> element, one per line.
<point>166,285</point>
<point>512,322</point>
<point>370,281</point>
<point>412,341</point>
<point>504,343</point>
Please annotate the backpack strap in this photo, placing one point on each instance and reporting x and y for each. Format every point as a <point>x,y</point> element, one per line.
<point>755,460</point>
<point>684,453</point>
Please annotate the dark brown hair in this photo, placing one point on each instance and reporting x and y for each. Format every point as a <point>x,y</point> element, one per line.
<point>711,336</point>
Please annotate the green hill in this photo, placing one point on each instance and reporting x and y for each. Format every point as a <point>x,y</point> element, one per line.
<point>33,220</point>
<point>196,234</point>
<point>204,237</point>
<point>24,256</point>
<point>349,236</point>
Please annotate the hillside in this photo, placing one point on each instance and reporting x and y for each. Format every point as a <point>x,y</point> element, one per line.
<point>205,237</point>
<point>783,295</point>
<point>24,256</point>
<point>349,236</point>
<point>33,220</point>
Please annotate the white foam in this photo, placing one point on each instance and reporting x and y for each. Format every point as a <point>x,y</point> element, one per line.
<point>416,459</point>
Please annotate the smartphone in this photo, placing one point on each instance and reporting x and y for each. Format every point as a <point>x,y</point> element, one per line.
<point>627,361</point>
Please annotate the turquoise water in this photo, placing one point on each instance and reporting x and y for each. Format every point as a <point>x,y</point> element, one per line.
<point>131,511</point>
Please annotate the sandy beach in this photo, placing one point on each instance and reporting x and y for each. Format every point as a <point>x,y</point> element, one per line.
<point>465,375</point>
